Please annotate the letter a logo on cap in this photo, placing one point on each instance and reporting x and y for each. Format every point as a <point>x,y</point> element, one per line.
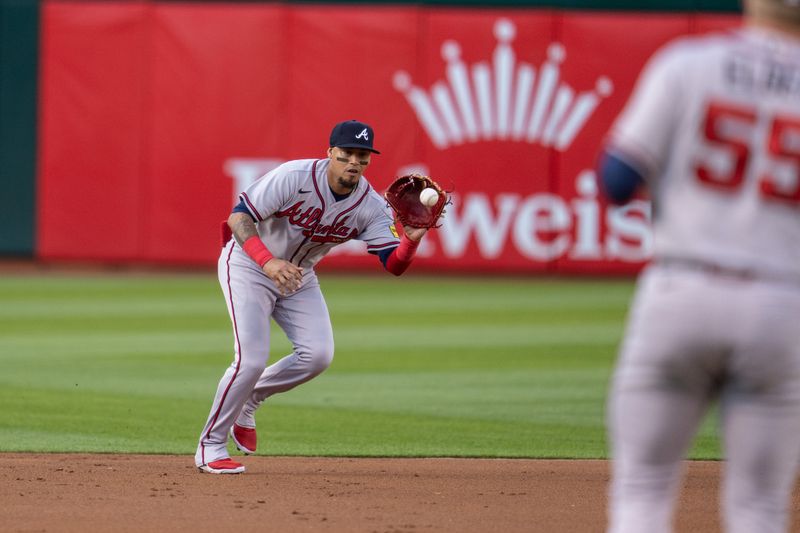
<point>352,134</point>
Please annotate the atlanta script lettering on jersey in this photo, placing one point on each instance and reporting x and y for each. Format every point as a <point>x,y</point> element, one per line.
<point>309,218</point>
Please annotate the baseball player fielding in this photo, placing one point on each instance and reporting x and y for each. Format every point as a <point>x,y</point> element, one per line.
<point>284,224</point>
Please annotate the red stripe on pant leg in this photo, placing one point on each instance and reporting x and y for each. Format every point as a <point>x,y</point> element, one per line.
<point>238,353</point>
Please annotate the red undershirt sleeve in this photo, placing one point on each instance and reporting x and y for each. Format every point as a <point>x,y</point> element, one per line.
<point>401,257</point>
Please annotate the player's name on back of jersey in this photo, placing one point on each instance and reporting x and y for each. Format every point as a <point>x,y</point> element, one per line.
<point>754,75</point>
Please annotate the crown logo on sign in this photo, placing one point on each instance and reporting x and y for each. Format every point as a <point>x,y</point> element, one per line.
<point>502,100</point>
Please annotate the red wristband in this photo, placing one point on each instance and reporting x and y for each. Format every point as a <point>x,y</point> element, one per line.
<point>255,248</point>
<point>407,248</point>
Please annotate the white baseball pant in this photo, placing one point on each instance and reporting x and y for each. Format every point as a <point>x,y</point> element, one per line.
<point>694,337</point>
<point>253,299</point>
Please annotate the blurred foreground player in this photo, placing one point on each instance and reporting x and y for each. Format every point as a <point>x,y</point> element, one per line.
<point>713,131</point>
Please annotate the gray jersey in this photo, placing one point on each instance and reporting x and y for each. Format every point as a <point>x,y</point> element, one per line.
<point>299,219</point>
<point>715,123</point>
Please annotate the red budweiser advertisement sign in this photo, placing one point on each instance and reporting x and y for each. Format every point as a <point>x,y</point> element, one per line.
<point>154,116</point>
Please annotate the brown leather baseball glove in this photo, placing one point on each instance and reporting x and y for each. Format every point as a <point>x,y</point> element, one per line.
<point>403,195</point>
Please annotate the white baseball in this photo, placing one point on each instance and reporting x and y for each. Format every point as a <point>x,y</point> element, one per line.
<point>429,197</point>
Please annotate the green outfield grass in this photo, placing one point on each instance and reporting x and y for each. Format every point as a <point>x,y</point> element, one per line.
<point>424,366</point>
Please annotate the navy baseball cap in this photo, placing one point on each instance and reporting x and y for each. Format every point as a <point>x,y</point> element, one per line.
<point>353,134</point>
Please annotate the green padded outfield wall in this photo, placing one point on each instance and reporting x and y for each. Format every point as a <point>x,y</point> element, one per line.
<point>19,23</point>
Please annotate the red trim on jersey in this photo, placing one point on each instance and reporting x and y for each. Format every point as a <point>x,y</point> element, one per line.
<point>251,207</point>
<point>316,187</point>
<point>332,224</point>
<point>237,357</point>
<point>378,247</point>
<point>335,220</point>
<point>351,207</point>
<point>322,201</point>
<point>308,252</point>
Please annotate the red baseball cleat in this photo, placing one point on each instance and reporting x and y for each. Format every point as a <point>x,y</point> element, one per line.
<point>222,466</point>
<point>244,438</point>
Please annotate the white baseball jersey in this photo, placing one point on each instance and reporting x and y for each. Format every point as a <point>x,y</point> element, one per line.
<point>299,219</point>
<point>715,121</point>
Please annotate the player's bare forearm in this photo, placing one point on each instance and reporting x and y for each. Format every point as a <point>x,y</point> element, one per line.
<point>242,227</point>
<point>415,234</point>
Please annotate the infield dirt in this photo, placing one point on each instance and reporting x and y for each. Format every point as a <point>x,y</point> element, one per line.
<point>83,492</point>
